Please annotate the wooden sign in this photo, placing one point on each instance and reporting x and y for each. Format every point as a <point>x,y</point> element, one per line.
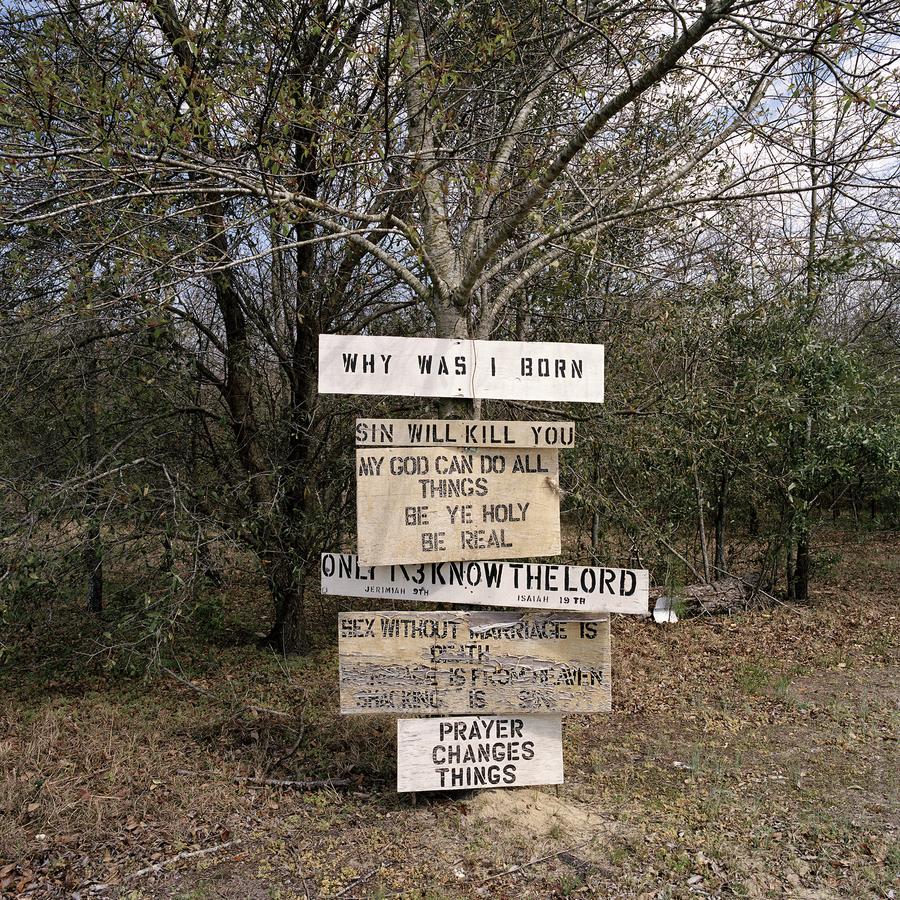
<point>429,505</point>
<point>529,585</point>
<point>439,367</point>
<point>478,751</point>
<point>462,433</point>
<point>471,662</point>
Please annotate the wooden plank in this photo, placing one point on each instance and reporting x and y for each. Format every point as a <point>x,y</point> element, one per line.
<point>439,367</point>
<point>452,754</point>
<point>518,584</point>
<point>473,662</point>
<point>434,504</point>
<point>462,433</point>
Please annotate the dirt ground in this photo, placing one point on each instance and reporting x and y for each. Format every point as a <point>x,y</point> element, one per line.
<point>746,756</point>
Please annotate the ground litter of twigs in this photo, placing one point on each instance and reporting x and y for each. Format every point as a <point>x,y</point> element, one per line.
<point>753,755</point>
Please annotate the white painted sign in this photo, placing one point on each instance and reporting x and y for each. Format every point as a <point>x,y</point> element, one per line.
<point>517,584</point>
<point>427,504</point>
<point>474,662</point>
<point>462,433</point>
<point>441,367</point>
<point>478,751</point>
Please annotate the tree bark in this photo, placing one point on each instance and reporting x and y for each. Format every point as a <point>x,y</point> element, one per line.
<point>93,549</point>
<point>702,522</point>
<point>789,569</point>
<point>288,633</point>
<point>93,563</point>
<point>801,572</point>
<point>721,510</point>
<point>452,325</point>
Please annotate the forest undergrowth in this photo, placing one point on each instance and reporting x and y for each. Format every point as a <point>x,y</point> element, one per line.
<point>751,755</point>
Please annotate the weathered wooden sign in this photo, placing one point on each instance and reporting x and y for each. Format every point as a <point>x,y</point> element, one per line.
<point>478,751</point>
<point>529,585</point>
<point>430,504</point>
<point>470,662</point>
<point>462,433</point>
<point>439,367</point>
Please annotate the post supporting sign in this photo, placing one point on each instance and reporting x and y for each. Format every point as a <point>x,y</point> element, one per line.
<point>439,367</point>
<point>441,754</point>
<point>443,506</point>
<point>471,662</point>
<point>430,504</point>
<point>492,583</point>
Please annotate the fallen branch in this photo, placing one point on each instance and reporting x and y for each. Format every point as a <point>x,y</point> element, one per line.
<point>532,862</point>
<point>185,854</point>
<point>294,748</point>
<point>278,782</point>
<point>362,879</point>
<point>298,785</point>
<point>238,706</point>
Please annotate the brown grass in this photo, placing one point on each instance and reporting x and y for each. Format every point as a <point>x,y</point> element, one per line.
<point>754,755</point>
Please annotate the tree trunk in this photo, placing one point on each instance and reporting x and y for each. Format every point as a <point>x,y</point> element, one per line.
<point>702,521</point>
<point>789,569</point>
<point>452,325</point>
<point>721,510</point>
<point>288,633</point>
<point>93,564</point>
<point>93,550</point>
<point>801,573</point>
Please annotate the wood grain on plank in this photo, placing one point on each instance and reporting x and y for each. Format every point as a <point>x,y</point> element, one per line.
<point>462,433</point>
<point>434,504</point>
<point>439,367</point>
<point>474,662</point>
<point>478,751</point>
<point>493,583</point>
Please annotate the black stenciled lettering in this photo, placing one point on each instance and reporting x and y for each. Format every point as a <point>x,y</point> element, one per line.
<point>370,465</point>
<point>493,573</point>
